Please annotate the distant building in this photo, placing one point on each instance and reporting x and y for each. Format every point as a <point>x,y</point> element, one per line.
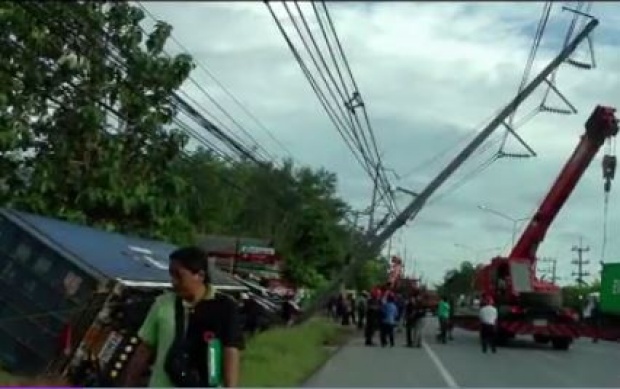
<point>243,256</point>
<point>49,271</point>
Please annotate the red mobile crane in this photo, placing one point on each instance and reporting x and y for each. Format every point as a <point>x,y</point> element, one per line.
<point>526,304</point>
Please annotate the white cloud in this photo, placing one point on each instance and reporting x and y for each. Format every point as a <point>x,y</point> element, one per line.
<point>429,73</point>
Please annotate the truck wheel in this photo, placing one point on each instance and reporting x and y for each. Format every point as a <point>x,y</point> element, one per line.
<point>541,339</point>
<point>561,343</point>
<point>503,338</point>
<point>541,299</point>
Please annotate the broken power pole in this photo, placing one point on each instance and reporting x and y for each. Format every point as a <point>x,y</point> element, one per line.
<point>376,239</point>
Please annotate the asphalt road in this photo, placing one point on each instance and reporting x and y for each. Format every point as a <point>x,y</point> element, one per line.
<point>460,363</point>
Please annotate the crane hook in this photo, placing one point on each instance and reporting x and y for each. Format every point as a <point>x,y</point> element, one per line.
<point>609,170</point>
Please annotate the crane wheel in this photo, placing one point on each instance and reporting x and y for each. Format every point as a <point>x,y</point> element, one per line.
<point>561,343</point>
<point>551,300</point>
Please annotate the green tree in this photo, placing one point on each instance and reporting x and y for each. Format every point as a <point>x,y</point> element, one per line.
<point>374,272</point>
<point>86,118</point>
<point>459,281</point>
<point>573,296</point>
<point>296,208</point>
<point>87,134</point>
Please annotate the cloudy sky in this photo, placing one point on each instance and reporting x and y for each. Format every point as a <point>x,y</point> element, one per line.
<point>430,75</point>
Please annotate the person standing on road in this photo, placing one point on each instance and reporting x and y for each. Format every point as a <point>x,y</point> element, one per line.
<point>373,316</point>
<point>401,321</point>
<point>390,314</point>
<point>360,307</point>
<point>414,313</point>
<point>452,304</point>
<point>443,315</point>
<point>352,308</point>
<point>488,325</point>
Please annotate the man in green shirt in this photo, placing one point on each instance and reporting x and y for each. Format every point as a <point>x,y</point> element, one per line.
<point>204,315</point>
<point>443,314</point>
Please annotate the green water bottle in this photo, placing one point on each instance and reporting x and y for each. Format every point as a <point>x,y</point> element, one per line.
<point>214,356</point>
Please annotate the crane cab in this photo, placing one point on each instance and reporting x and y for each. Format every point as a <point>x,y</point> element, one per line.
<point>505,279</point>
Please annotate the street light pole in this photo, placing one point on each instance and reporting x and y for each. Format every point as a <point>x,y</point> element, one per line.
<point>511,219</point>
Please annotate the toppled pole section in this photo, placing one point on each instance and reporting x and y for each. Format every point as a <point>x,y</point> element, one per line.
<point>375,242</point>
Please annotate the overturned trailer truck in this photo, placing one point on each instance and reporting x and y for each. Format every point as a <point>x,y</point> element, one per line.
<point>72,297</point>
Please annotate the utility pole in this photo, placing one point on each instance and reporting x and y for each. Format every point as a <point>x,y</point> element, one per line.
<point>580,262</point>
<point>419,201</point>
<point>373,201</point>
<point>376,240</point>
<point>552,269</point>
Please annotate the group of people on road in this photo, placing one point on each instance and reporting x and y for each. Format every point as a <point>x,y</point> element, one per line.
<point>385,312</point>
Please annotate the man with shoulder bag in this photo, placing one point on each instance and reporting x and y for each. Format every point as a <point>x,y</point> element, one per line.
<point>414,312</point>
<point>194,334</point>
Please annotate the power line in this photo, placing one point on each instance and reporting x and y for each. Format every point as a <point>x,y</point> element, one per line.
<point>209,126</point>
<point>236,123</point>
<point>340,126</point>
<point>358,101</point>
<point>209,73</point>
<point>354,138</point>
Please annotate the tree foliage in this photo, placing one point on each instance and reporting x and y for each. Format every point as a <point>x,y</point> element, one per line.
<point>459,280</point>
<point>88,135</point>
<point>573,296</point>
<point>296,208</point>
<point>65,153</point>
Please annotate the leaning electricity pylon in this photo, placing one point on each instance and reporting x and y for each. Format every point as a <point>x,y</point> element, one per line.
<point>565,106</point>
<point>376,239</point>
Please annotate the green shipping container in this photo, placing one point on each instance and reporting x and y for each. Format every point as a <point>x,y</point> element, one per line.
<point>610,289</point>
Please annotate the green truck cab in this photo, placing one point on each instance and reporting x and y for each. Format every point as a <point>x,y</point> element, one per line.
<point>610,289</point>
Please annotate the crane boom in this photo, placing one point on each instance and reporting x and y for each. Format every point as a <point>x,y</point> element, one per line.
<point>601,125</point>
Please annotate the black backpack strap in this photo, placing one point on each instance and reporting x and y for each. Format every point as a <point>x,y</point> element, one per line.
<point>179,319</point>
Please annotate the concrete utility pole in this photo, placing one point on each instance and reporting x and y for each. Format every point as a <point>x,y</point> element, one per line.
<point>373,201</point>
<point>580,262</point>
<point>552,269</point>
<point>376,241</point>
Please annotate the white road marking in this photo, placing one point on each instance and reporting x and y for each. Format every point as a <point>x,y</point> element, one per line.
<point>445,374</point>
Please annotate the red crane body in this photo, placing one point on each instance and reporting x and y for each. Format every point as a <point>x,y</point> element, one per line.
<point>519,268</point>
<point>600,126</point>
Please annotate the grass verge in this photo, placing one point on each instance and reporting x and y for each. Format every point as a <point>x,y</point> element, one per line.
<point>5,378</point>
<point>286,357</point>
<point>281,357</point>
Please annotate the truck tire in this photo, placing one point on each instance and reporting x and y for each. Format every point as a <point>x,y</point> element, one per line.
<point>561,343</point>
<point>541,299</point>
<point>502,338</point>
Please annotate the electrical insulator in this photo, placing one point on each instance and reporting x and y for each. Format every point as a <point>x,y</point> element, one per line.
<point>579,64</point>
<point>609,167</point>
<point>560,111</point>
